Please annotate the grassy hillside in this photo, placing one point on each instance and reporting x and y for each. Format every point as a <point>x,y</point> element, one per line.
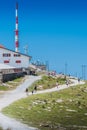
<point>47,82</point>
<point>52,111</point>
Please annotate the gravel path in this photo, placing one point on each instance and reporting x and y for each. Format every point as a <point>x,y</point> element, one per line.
<point>11,96</point>
<point>8,98</point>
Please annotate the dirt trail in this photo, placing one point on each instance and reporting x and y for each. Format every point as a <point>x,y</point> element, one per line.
<point>8,98</point>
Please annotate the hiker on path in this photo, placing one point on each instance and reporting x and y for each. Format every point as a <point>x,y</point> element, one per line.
<point>78,79</point>
<point>67,83</point>
<point>26,91</point>
<point>57,84</point>
<point>32,92</point>
<point>35,88</point>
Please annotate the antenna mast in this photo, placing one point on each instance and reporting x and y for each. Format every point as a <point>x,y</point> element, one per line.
<point>16,30</point>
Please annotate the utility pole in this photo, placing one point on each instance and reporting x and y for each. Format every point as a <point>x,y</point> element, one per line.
<point>47,65</point>
<point>83,72</point>
<point>66,68</point>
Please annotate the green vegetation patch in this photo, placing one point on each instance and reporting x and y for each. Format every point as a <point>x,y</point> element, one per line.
<point>4,88</point>
<point>52,111</point>
<point>11,84</point>
<point>47,82</point>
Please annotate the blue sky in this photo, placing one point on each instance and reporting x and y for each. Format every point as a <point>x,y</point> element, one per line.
<point>54,30</point>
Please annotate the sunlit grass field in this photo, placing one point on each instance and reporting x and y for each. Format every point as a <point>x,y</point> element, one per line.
<point>53,111</point>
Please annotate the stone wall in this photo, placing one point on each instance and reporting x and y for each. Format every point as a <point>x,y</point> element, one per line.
<point>9,77</point>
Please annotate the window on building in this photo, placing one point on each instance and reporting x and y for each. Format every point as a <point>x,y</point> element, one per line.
<point>6,54</point>
<point>16,55</point>
<point>6,61</point>
<point>18,61</point>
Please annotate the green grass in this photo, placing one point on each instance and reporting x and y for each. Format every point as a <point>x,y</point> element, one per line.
<point>66,108</point>
<point>47,82</point>
<point>6,129</point>
<point>11,84</point>
<point>4,88</point>
<point>18,79</point>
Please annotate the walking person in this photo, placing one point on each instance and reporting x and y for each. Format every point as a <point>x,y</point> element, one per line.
<point>78,79</point>
<point>26,91</point>
<point>57,84</point>
<point>35,88</point>
<point>32,92</point>
<point>67,83</point>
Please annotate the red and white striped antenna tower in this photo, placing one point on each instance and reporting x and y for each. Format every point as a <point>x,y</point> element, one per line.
<point>16,30</point>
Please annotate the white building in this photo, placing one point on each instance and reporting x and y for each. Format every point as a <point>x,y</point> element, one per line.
<point>12,64</point>
<point>14,59</point>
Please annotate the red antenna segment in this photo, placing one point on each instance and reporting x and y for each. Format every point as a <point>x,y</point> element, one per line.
<point>16,30</point>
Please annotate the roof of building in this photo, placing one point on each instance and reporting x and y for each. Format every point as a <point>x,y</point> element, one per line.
<point>1,46</point>
<point>4,66</point>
